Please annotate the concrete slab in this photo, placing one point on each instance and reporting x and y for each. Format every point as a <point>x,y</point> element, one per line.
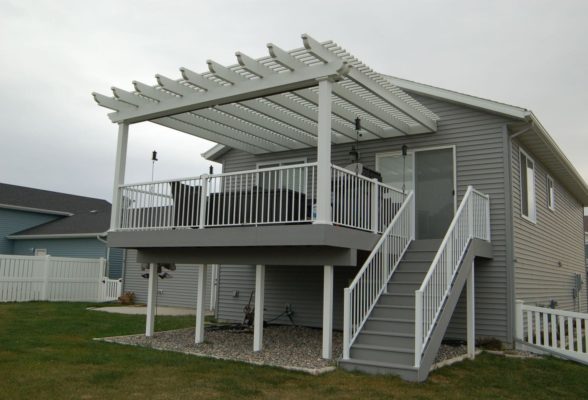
<point>142,310</point>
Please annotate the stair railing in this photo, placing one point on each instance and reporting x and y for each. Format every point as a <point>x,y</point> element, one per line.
<point>472,221</point>
<point>372,279</point>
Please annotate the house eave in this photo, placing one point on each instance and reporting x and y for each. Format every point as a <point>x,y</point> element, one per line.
<point>451,96</point>
<point>57,236</point>
<point>215,152</point>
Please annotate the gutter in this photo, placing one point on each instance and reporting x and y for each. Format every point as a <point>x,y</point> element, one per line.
<point>56,236</point>
<point>37,210</point>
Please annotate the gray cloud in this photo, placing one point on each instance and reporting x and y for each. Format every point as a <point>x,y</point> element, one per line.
<point>54,54</point>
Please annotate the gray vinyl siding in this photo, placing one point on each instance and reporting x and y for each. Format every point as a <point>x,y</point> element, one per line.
<point>301,288</point>
<point>180,290</point>
<point>558,236</point>
<point>480,157</point>
<point>12,221</point>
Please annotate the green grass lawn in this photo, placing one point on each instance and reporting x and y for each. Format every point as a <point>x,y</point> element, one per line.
<point>47,352</point>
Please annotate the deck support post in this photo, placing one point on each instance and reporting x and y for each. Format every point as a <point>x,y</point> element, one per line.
<point>199,335</point>
<point>119,173</point>
<point>323,192</point>
<point>471,315</point>
<point>328,312</point>
<point>259,299</point>
<point>151,300</point>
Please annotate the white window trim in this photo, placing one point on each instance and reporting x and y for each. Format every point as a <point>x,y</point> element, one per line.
<point>280,163</point>
<point>550,194</point>
<point>530,218</point>
<point>292,161</point>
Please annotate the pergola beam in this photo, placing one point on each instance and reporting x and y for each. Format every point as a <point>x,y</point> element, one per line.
<point>171,122</point>
<point>309,113</point>
<point>312,97</point>
<point>366,82</point>
<point>246,90</point>
<point>215,122</point>
<point>269,123</point>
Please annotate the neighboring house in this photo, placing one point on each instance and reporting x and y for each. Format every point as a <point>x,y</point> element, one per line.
<point>292,219</point>
<point>42,222</point>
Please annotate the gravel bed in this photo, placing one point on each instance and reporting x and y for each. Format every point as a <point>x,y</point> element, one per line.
<point>283,346</point>
<point>447,352</point>
<point>297,348</point>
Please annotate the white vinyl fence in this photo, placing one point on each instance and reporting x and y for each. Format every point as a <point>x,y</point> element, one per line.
<point>46,278</point>
<point>559,332</point>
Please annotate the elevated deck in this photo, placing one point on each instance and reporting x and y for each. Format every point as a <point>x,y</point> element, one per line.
<point>268,244</point>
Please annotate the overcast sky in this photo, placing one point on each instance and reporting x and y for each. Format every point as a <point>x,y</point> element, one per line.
<point>53,54</point>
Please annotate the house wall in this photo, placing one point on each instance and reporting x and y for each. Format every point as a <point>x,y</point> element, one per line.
<point>12,221</point>
<point>557,237</point>
<point>480,141</point>
<point>180,290</point>
<point>300,288</point>
<point>77,248</point>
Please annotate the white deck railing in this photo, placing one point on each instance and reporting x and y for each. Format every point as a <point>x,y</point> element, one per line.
<point>472,220</point>
<point>276,195</point>
<point>363,203</point>
<point>560,332</point>
<point>372,279</point>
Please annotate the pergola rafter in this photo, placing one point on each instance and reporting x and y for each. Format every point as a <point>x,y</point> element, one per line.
<point>272,104</point>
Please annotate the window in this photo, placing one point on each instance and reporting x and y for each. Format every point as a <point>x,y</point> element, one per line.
<point>293,178</point>
<point>40,252</point>
<point>528,203</point>
<point>550,193</point>
<point>396,170</point>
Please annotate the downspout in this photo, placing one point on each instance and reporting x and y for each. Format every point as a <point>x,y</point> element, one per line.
<point>107,272</point>
<point>511,259</point>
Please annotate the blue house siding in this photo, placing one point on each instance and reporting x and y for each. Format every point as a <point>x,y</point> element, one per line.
<point>12,221</point>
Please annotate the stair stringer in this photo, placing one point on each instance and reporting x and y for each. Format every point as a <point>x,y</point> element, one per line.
<point>476,248</point>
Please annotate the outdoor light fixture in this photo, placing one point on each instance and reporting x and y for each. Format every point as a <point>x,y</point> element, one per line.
<point>354,153</point>
<point>145,275</point>
<point>404,154</point>
<point>153,159</point>
<point>164,275</point>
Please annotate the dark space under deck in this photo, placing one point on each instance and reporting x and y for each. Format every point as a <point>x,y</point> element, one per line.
<point>308,244</point>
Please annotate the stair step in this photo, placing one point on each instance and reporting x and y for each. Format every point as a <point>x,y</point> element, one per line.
<point>398,312</point>
<point>379,367</point>
<point>384,338</point>
<point>390,325</point>
<point>395,355</point>
<point>413,266</point>
<point>408,276</point>
<point>425,245</point>
<point>403,287</point>
<point>422,256</point>
<point>396,299</point>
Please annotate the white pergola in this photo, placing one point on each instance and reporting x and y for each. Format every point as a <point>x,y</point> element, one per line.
<point>307,97</point>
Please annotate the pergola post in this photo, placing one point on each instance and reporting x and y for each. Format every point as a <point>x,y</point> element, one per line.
<point>471,318</point>
<point>328,312</point>
<point>151,300</point>
<point>259,300</point>
<point>199,336</point>
<point>119,173</point>
<point>323,193</point>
